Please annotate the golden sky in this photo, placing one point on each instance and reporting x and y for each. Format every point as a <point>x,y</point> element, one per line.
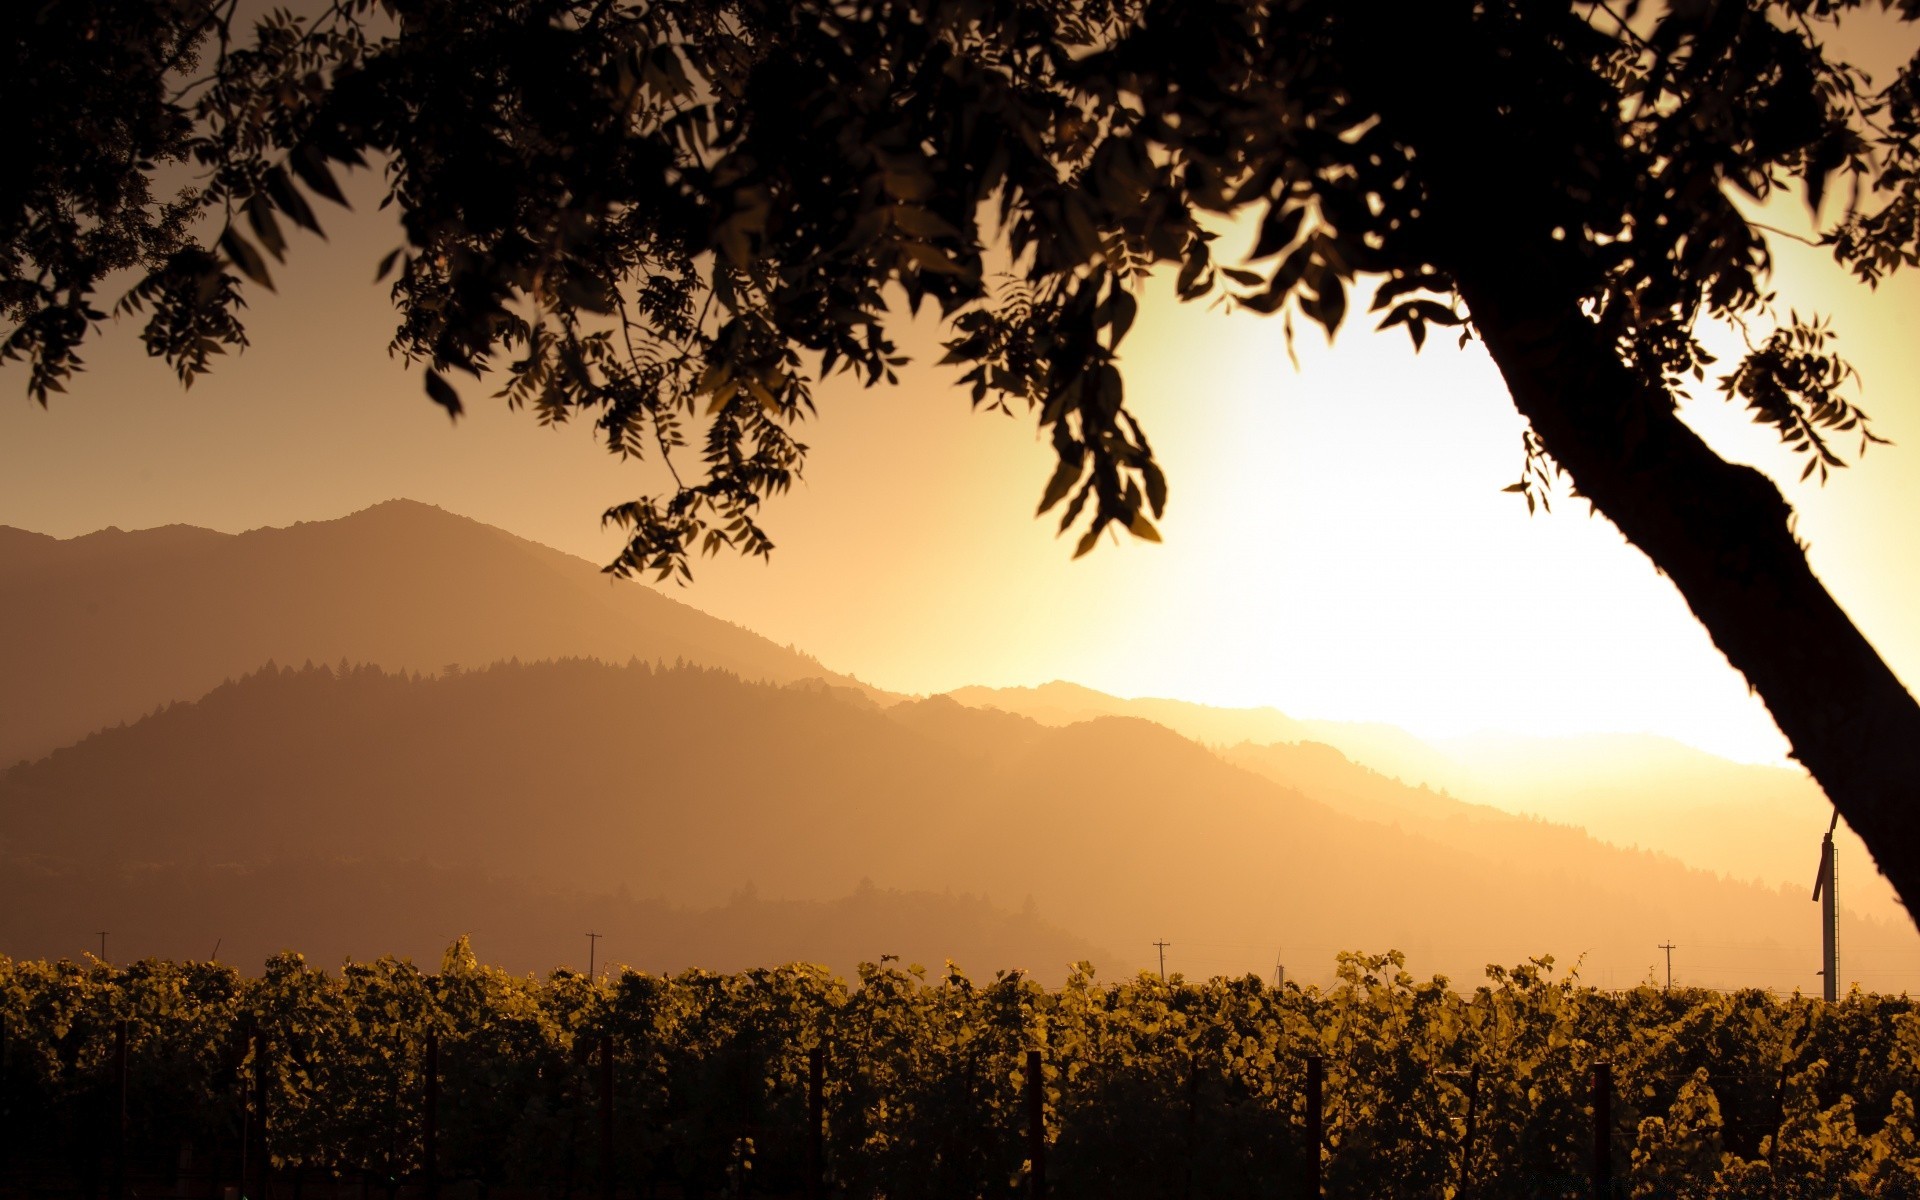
<point>1337,544</point>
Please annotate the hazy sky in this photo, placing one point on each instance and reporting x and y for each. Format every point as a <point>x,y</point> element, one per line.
<point>1337,543</point>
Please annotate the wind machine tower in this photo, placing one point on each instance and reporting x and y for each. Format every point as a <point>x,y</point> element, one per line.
<point>1823,885</point>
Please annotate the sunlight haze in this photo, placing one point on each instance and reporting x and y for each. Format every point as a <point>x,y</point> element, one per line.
<point>1337,541</point>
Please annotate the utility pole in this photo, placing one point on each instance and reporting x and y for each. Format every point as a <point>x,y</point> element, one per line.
<point>593,942</point>
<point>1824,885</point>
<point>102,935</point>
<point>1162,947</point>
<point>1669,947</point>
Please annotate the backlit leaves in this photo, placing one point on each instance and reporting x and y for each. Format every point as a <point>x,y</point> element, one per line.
<point>671,219</point>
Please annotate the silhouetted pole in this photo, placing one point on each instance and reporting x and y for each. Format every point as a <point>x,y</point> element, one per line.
<point>430,1134</point>
<point>606,1116</point>
<point>1830,922</point>
<point>102,935</point>
<point>1823,891</point>
<point>1603,1130</point>
<point>1669,947</point>
<point>117,1112</point>
<point>1162,948</point>
<point>1036,1127</point>
<point>593,943</point>
<point>816,1123</point>
<point>1316,1081</point>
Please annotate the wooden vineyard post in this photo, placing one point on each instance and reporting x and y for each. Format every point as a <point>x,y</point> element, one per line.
<point>1316,1081</point>
<point>430,1118</point>
<point>816,1123</point>
<point>117,1112</point>
<point>606,1116</point>
<point>1603,1130</point>
<point>1036,1127</point>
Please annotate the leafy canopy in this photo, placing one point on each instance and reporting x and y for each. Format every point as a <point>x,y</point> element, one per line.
<point>675,218</point>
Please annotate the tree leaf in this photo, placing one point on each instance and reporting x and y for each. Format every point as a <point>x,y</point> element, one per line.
<point>1434,311</point>
<point>1065,475</point>
<point>441,392</point>
<point>260,218</point>
<point>311,166</point>
<point>1120,319</point>
<point>1156,481</point>
<point>1329,303</point>
<point>290,201</point>
<point>242,254</point>
<point>1277,231</point>
<point>1142,528</point>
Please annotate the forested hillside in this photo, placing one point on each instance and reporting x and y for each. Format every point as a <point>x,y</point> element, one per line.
<point>687,785</point>
<point>1742,820</point>
<point>100,629</point>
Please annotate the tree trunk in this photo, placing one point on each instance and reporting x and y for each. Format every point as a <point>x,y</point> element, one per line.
<point>1720,531</point>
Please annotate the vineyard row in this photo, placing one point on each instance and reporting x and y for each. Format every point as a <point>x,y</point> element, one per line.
<point>180,1079</point>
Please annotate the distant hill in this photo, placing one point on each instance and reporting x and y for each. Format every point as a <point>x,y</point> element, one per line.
<point>1740,820</point>
<point>331,910</point>
<point>1385,748</point>
<point>684,786</point>
<point>100,629</point>
<point>1748,821</point>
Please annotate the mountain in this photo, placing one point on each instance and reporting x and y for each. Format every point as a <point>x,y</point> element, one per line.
<point>1743,821</point>
<point>1383,747</point>
<point>684,786</point>
<point>99,629</point>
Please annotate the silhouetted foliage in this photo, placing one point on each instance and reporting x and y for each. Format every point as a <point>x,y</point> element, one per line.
<point>672,218</point>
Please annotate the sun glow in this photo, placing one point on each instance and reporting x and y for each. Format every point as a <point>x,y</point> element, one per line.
<point>1337,543</point>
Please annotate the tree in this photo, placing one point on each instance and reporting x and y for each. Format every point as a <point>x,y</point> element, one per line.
<point>670,217</point>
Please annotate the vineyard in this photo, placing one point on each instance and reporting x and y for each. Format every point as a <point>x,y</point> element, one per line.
<point>190,1079</point>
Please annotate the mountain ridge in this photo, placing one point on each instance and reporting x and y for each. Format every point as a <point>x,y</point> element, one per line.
<point>1743,821</point>
<point>681,784</point>
<point>100,628</point>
